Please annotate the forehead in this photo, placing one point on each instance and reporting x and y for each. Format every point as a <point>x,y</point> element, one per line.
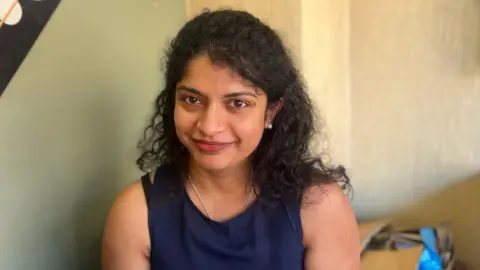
<point>208,77</point>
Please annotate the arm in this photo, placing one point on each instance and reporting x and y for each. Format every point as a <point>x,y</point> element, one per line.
<point>126,240</point>
<point>331,237</point>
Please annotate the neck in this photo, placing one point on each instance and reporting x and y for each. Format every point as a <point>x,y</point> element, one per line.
<point>231,180</point>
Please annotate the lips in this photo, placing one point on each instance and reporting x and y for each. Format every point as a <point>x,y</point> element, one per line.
<point>210,146</point>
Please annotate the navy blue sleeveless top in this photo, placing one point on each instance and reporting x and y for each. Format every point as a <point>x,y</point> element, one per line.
<point>183,238</point>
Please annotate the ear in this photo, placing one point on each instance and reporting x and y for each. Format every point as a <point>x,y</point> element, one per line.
<point>272,112</point>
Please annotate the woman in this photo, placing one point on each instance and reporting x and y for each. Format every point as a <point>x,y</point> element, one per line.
<point>234,185</point>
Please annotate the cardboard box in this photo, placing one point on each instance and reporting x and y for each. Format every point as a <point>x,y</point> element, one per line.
<point>386,248</point>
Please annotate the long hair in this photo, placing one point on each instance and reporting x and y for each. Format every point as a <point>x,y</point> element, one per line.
<point>282,163</point>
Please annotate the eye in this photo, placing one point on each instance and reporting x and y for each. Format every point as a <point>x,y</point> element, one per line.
<point>238,103</point>
<point>191,100</point>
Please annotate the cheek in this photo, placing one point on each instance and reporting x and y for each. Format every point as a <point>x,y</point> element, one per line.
<point>250,130</point>
<point>183,122</point>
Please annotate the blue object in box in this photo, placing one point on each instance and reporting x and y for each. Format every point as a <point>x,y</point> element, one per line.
<point>429,259</point>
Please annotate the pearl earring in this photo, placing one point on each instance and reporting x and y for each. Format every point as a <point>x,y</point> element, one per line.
<point>269,126</point>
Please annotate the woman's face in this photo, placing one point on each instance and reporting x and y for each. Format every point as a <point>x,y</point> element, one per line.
<point>219,117</point>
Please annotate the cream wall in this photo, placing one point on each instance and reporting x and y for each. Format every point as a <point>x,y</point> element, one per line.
<point>69,123</point>
<point>325,54</point>
<point>415,98</point>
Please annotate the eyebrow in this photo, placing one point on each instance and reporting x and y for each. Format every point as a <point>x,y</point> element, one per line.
<point>188,89</point>
<point>230,95</point>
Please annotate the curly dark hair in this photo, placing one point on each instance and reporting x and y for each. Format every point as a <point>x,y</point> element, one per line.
<point>282,162</point>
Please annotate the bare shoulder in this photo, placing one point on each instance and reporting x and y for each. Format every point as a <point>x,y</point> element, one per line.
<point>129,207</point>
<point>325,205</point>
<point>126,241</point>
<point>324,197</point>
<point>330,229</point>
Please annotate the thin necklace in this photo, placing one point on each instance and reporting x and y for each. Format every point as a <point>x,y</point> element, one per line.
<point>247,200</point>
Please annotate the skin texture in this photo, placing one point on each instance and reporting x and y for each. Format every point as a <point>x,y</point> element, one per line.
<point>331,236</point>
<point>126,241</point>
<point>214,104</point>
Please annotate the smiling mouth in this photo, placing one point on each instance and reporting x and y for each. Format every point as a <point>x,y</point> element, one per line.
<point>211,147</point>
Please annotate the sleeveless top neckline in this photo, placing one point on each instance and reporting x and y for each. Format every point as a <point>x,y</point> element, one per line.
<point>225,222</point>
<point>182,237</point>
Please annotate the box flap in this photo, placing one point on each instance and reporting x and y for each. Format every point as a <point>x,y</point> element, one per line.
<point>406,259</point>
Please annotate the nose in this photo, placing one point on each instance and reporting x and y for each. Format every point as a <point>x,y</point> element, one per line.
<point>212,120</point>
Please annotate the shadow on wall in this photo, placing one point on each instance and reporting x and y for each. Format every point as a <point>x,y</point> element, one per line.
<point>101,185</point>
<point>458,204</point>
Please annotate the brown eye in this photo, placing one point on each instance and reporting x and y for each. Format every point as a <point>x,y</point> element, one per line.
<point>238,103</point>
<point>191,100</point>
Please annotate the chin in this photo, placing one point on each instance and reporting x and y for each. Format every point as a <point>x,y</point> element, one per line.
<point>215,162</point>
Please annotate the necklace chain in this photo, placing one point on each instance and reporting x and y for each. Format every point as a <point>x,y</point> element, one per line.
<point>247,200</point>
